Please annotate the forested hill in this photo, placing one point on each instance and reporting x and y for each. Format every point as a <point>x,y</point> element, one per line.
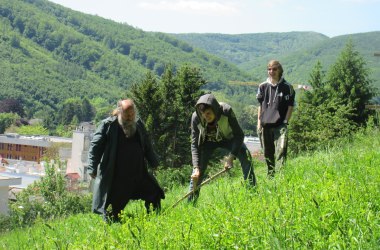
<point>298,51</point>
<point>49,53</point>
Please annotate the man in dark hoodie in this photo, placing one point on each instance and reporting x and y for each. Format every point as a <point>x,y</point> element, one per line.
<point>276,97</point>
<point>214,125</point>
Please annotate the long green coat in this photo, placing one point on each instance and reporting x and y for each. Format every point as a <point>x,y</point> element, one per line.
<point>102,156</point>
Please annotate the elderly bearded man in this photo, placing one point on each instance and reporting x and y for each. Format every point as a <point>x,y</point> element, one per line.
<point>118,157</point>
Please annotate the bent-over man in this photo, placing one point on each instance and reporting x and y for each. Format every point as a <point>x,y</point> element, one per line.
<point>214,125</point>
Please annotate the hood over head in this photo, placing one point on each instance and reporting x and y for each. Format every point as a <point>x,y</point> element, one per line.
<point>210,100</point>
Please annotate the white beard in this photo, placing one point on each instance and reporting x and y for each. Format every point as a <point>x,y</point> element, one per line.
<point>129,127</point>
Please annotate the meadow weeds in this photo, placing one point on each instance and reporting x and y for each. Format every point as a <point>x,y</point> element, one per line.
<point>328,199</point>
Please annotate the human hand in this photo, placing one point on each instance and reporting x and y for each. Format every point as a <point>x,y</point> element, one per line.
<point>195,174</point>
<point>229,161</point>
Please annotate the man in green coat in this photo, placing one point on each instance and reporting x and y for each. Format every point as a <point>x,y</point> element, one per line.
<point>118,156</point>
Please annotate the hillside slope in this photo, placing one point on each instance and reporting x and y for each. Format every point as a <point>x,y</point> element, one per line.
<point>326,200</point>
<point>298,51</point>
<point>56,53</point>
<point>249,50</point>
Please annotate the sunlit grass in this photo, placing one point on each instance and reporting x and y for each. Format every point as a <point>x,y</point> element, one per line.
<point>329,199</point>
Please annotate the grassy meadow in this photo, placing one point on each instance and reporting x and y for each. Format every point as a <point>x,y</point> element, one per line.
<point>326,200</point>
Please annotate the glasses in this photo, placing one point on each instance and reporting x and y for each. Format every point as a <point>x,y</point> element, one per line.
<point>273,69</point>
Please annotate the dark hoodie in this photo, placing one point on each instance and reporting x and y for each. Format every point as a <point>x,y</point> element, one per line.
<point>228,128</point>
<point>274,102</point>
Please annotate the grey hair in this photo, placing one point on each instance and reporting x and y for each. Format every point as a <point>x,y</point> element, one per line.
<point>118,108</point>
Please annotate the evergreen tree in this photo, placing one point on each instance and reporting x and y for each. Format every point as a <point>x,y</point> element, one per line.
<point>169,115</point>
<point>147,100</point>
<point>348,81</point>
<point>166,107</point>
<point>68,110</point>
<point>88,111</point>
<point>189,81</point>
<point>335,106</point>
<point>319,94</point>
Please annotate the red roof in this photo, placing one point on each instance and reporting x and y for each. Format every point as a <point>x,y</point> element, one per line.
<point>73,176</point>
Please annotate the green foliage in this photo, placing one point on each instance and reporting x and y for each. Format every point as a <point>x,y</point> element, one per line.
<point>32,130</point>
<point>327,200</point>
<point>6,120</point>
<point>248,119</point>
<point>170,178</point>
<point>65,131</point>
<point>336,105</point>
<point>75,110</point>
<point>47,199</point>
<point>102,108</point>
<point>49,54</point>
<point>166,106</point>
<point>314,127</point>
<point>297,51</point>
<point>349,81</point>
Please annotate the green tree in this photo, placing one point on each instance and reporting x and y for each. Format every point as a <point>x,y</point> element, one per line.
<point>349,81</point>
<point>314,127</point>
<point>6,120</point>
<point>74,111</point>
<point>88,111</point>
<point>336,105</point>
<point>32,130</point>
<point>248,119</point>
<point>188,85</point>
<point>166,106</point>
<point>147,99</point>
<point>48,198</point>
<point>316,81</point>
<point>102,108</point>
<point>169,114</point>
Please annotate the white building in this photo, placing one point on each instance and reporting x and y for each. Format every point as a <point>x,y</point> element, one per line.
<point>79,151</point>
<point>5,182</point>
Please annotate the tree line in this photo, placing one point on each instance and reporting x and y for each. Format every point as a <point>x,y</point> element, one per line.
<point>335,107</point>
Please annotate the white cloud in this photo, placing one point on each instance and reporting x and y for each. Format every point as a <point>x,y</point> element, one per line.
<point>202,7</point>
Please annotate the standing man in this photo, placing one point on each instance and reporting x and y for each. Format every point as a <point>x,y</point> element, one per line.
<point>118,157</point>
<point>214,125</point>
<point>277,99</point>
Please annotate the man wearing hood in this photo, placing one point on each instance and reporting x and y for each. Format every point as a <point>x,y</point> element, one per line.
<point>214,125</point>
<point>118,156</point>
<point>277,99</point>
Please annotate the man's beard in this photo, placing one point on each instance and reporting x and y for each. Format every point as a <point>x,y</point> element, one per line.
<point>129,127</point>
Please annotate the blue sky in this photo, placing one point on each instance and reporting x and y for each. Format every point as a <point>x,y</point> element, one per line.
<point>329,17</point>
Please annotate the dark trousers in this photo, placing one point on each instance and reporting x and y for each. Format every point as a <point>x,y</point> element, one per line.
<point>144,189</point>
<point>274,142</point>
<point>206,151</point>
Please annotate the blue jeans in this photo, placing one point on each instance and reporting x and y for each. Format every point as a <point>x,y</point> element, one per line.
<point>206,150</point>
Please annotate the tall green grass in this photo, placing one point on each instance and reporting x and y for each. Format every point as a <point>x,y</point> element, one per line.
<point>326,200</point>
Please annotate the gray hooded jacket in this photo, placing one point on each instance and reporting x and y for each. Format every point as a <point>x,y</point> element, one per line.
<point>228,128</point>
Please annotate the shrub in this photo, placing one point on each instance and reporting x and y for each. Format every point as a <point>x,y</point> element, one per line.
<point>48,198</point>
